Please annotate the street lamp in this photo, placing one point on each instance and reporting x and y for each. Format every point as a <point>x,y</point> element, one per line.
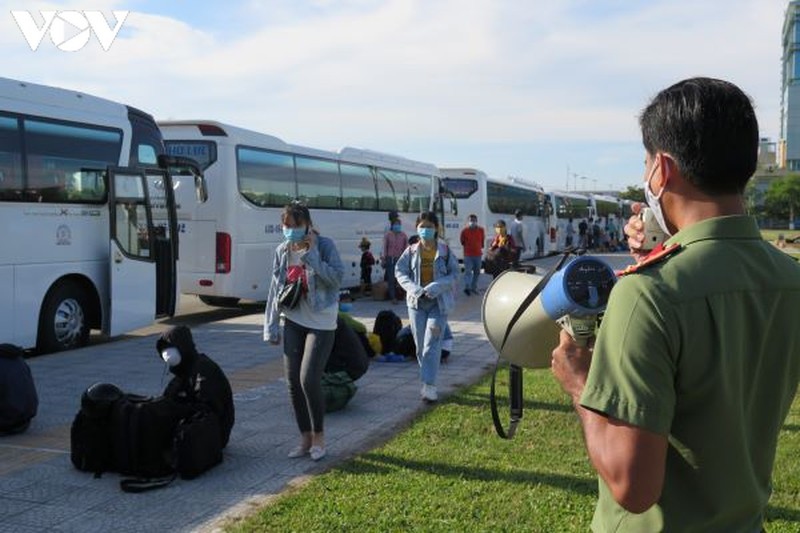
<point>584,178</point>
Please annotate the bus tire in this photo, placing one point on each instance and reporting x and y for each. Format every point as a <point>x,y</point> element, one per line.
<point>64,320</point>
<point>219,301</point>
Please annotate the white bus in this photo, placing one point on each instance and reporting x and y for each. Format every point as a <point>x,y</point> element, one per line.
<point>81,191</point>
<point>227,243</point>
<point>562,207</point>
<point>493,199</point>
<point>605,206</point>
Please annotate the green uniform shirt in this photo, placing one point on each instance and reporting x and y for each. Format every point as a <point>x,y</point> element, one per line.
<point>704,347</point>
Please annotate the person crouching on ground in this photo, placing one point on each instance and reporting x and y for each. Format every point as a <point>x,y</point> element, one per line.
<point>309,325</point>
<point>427,271</point>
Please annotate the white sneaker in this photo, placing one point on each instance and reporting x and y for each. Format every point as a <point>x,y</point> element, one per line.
<point>429,393</point>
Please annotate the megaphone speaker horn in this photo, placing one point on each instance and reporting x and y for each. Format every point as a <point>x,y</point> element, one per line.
<point>531,340</point>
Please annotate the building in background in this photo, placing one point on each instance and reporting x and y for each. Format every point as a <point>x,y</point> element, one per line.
<point>788,148</point>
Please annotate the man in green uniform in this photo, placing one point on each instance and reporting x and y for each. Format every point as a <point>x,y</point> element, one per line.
<point>697,361</point>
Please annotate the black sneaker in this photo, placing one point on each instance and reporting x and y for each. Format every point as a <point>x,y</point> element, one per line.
<point>466,291</point>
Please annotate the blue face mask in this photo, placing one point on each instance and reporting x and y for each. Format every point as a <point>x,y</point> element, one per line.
<point>345,307</point>
<point>397,227</point>
<point>294,234</point>
<point>426,233</point>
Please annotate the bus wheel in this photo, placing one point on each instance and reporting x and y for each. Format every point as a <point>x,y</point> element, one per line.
<point>63,323</point>
<point>219,301</point>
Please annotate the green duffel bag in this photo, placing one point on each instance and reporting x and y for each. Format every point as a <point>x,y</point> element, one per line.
<point>338,388</point>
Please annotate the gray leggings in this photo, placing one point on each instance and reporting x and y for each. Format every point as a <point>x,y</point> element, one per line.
<point>305,354</point>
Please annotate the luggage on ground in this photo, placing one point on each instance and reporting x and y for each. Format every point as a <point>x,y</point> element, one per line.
<point>18,399</point>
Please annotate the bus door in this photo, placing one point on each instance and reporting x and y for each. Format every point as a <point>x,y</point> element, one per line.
<point>132,269</point>
<point>160,192</point>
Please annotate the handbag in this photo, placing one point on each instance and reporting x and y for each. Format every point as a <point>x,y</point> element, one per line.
<point>289,295</point>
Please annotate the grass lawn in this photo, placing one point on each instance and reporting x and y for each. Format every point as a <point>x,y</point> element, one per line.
<point>450,472</point>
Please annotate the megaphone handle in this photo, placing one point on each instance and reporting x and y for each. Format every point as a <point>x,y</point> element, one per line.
<point>515,392</point>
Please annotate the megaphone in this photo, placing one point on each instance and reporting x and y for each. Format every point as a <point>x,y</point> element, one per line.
<point>522,314</point>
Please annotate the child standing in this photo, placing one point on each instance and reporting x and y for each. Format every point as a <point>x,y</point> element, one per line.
<point>367,260</point>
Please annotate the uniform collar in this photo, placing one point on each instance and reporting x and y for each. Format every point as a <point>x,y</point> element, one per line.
<point>718,228</point>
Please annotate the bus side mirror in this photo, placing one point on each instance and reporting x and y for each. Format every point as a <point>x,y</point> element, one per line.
<point>454,206</point>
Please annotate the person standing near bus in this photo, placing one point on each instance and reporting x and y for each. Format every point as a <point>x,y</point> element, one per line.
<point>310,325</point>
<point>472,239</point>
<point>394,242</point>
<point>570,233</point>
<point>518,233</point>
<point>427,271</point>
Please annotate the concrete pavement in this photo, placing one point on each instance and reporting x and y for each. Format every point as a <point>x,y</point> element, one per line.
<point>41,491</point>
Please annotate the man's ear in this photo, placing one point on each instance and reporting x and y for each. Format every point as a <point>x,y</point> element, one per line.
<point>667,169</point>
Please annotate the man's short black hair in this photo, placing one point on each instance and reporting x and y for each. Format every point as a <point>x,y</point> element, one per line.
<point>710,128</point>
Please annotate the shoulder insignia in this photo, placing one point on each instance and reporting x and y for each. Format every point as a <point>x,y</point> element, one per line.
<point>656,255</point>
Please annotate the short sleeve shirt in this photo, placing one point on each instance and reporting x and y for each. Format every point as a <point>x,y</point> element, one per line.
<point>704,348</point>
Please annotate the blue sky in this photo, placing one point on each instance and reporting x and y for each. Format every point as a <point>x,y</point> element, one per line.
<point>545,90</point>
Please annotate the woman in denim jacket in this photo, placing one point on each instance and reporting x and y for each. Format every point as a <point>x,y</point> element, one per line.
<point>427,272</point>
<point>310,326</point>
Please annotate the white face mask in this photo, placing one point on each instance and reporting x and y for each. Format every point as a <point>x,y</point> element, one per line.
<point>654,202</point>
<point>171,356</point>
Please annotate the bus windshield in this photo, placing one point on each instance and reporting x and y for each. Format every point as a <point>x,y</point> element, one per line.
<point>204,152</point>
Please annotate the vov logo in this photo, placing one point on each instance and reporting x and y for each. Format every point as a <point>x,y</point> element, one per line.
<point>69,30</point>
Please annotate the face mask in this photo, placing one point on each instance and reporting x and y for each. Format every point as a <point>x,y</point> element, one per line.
<point>171,356</point>
<point>345,307</point>
<point>294,234</point>
<point>426,233</point>
<point>473,223</point>
<point>397,227</point>
<point>654,202</point>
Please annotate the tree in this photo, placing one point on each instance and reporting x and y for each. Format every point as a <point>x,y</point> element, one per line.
<point>783,198</point>
<point>633,193</point>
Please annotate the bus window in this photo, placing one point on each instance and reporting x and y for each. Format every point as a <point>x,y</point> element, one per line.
<point>265,178</point>
<point>318,182</point>
<point>358,188</point>
<point>460,188</point>
<point>391,186</point>
<point>419,192</point>
<point>203,152</point>
<point>10,160</point>
<point>507,199</point>
<point>57,153</point>
<point>146,154</point>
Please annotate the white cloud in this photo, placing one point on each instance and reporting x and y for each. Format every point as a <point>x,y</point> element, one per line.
<point>378,73</point>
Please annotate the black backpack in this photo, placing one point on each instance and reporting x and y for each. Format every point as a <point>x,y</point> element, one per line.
<point>152,439</point>
<point>90,434</point>
<point>387,325</point>
<point>142,434</point>
<point>18,399</point>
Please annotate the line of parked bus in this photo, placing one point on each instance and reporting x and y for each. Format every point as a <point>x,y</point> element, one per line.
<point>111,215</point>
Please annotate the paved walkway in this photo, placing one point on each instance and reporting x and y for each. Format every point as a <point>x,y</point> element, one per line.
<point>41,491</point>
